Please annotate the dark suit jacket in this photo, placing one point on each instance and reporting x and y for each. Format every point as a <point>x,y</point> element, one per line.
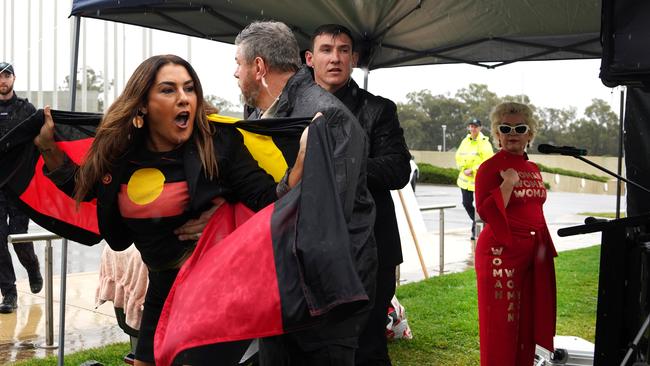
<point>388,163</point>
<point>302,97</point>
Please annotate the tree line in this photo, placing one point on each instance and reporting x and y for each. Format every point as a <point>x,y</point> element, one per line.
<point>424,114</point>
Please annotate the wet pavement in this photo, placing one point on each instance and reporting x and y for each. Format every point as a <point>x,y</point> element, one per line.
<point>22,332</point>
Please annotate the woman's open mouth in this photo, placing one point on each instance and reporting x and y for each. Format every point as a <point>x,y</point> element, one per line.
<point>182,119</point>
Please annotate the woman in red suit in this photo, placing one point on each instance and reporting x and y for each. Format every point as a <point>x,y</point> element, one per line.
<point>514,254</point>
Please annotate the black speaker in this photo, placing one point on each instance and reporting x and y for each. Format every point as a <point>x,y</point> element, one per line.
<point>625,36</point>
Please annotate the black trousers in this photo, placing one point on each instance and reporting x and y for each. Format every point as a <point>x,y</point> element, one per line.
<point>332,343</point>
<point>468,203</point>
<point>283,351</point>
<point>373,349</point>
<point>160,283</point>
<point>13,221</point>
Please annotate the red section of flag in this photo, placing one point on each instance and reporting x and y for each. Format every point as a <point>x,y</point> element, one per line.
<point>249,281</point>
<point>76,149</point>
<point>44,197</point>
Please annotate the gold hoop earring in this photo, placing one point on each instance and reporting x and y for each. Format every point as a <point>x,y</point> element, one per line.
<point>138,120</point>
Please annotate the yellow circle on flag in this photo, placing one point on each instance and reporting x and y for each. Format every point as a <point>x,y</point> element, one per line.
<point>145,185</point>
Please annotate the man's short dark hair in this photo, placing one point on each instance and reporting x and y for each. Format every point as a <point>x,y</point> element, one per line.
<point>332,29</point>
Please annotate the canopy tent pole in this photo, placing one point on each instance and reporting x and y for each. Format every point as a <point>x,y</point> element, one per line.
<point>55,63</point>
<point>74,55</point>
<point>106,83</point>
<point>74,60</point>
<point>620,153</point>
<point>62,291</point>
<point>366,71</point>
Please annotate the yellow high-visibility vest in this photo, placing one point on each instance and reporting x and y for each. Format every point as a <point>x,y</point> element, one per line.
<point>470,154</point>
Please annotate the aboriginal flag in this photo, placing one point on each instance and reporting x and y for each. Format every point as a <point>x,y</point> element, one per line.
<point>273,142</point>
<point>283,269</point>
<point>38,197</point>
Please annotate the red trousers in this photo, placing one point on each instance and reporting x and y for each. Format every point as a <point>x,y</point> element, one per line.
<point>516,297</point>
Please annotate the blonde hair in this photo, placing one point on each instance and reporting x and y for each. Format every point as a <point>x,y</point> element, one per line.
<point>506,108</point>
<point>116,133</point>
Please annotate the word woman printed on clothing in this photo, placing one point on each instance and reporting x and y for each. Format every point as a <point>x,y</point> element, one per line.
<point>530,185</point>
<point>502,283</point>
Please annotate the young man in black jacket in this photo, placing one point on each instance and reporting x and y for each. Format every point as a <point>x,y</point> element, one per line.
<point>12,111</point>
<point>272,80</point>
<point>332,57</point>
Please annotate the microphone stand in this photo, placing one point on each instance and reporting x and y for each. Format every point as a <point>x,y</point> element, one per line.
<point>612,173</point>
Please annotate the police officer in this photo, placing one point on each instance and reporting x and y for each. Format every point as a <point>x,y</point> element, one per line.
<point>473,150</point>
<point>12,221</point>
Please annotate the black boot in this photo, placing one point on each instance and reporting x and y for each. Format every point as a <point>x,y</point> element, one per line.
<point>35,281</point>
<point>9,304</point>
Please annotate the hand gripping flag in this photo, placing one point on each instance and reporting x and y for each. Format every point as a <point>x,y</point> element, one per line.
<point>282,270</point>
<point>38,197</point>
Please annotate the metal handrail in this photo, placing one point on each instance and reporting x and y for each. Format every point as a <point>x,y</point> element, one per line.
<point>49,298</point>
<point>441,208</point>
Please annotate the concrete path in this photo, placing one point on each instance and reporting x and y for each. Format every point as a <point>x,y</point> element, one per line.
<point>87,326</point>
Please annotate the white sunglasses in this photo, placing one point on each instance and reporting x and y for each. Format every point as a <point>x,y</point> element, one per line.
<point>519,129</point>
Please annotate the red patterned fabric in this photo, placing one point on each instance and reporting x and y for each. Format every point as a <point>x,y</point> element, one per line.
<point>42,196</point>
<point>248,280</point>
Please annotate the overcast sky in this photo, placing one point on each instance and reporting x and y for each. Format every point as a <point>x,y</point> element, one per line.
<point>558,84</point>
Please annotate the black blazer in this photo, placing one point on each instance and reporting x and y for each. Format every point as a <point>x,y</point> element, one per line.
<point>388,163</point>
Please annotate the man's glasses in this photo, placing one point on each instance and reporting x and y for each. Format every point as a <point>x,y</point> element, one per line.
<point>519,129</point>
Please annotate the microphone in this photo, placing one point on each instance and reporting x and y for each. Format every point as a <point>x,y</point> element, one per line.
<point>562,150</point>
<point>592,220</point>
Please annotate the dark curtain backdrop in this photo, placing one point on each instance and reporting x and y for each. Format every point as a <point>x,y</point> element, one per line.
<point>637,149</point>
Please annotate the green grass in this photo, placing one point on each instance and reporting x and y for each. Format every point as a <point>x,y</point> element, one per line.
<point>443,316</point>
<point>442,312</point>
<point>110,355</point>
<point>577,292</point>
<point>607,215</point>
<point>436,175</point>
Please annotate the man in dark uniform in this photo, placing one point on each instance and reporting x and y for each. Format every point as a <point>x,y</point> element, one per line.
<point>12,221</point>
<point>332,56</point>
